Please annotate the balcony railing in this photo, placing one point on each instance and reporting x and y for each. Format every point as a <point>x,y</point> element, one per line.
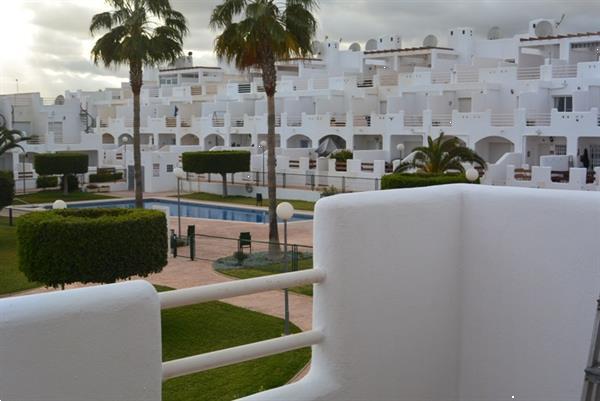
<point>171,122</point>
<point>361,120</point>
<point>388,79</point>
<point>196,90</point>
<point>413,120</point>
<point>564,71</point>
<point>230,356</point>
<point>218,121</point>
<point>278,120</point>
<point>364,82</point>
<point>441,120</point>
<point>441,77</point>
<point>321,84</point>
<point>185,122</point>
<point>237,122</point>
<point>337,120</point>
<point>463,76</point>
<point>538,119</point>
<point>244,88</point>
<point>503,120</point>
<point>528,73</point>
<point>294,121</point>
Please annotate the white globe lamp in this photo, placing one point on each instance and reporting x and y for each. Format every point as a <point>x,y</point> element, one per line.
<point>263,144</point>
<point>179,173</point>
<point>285,211</point>
<point>400,147</point>
<point>472,175</point>
<point>59,205</point>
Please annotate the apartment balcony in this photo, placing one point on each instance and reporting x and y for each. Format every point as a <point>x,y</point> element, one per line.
<point>377,336</point>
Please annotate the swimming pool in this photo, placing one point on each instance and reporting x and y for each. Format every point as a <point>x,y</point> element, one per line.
<point>192,209</point>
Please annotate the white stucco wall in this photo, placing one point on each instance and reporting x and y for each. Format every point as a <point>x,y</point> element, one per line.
<point>94,344</point>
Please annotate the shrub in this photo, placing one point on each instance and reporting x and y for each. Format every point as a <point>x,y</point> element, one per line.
<point>221,162</point>
<point>329,191</point>
<point>63,163</point>
<point>91,245</point>
<point>72,183</point>
<point>47,181</point>
<point>342,155</point>
<point>106,177</point>
<point>7,188</point>
<point>399,180</point>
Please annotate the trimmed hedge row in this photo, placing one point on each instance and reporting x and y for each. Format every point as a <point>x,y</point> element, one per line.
<point>7,188</point>
<point>106,177</point>
<point>46,181</point>
<point>220,162</point>
<point>342,155</point>
<point>393,181</point>
<point>61,163</point>
<point>91,245</point>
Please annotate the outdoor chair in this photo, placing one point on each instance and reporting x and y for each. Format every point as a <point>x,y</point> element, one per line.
<point>245,241</point>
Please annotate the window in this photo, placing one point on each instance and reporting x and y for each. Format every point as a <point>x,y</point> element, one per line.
<point>564,104</point>
<point>169,168</point>
<point>560,150</point>
<point>156,170</point>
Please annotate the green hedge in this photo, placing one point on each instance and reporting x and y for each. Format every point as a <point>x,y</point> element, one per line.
<point>106,177</point>
<point>7,188</point>
<point>220,162</point>
<point>396,180</point>
<point>61,163</point>
<point>342,155</point>
<point>91,245</point>
<point>72,181</point>
<point>47,181</point>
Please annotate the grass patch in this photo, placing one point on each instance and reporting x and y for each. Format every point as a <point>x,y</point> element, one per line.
<point>51,196</point>
<point>242,200</point>
<point>213,326</point>
<point>251,270</point>
<point>11,278</point>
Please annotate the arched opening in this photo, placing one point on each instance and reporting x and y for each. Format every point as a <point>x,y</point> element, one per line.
<point>329,144</point>
<point>368,142</point>
<point>299,141</point>
<point>125,139</point>
<point>190,140</point>
<point>408,142</point>
<point>108,139</point>
<point>213,140</point>
<point>492,148</point>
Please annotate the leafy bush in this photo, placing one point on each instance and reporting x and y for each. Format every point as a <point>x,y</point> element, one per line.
<point>106,177</point>
<point>399,180</point>
<point>61,163</point>
<point>329,191</point>
<point>47,181</point>
<point>342,155</point>
<point>91,245</point>
<point>7,188</point>
<point>221,162</point>
<point>72,181</point>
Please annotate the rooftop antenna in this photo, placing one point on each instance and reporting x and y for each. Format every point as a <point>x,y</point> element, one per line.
<point>562,18</point>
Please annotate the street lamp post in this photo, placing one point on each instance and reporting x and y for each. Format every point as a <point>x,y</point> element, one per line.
<point>180,174</point>
<point>400,148</point>
<point>285,211</point>
<point>263,145</point>
<point>125,140</point>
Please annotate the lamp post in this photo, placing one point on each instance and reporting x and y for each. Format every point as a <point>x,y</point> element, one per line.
<point>285,211</point>
<point>400,147</point>
<point>472,175</point>
<point>59,205</point>
<point>125,140</point>
<point>180,174</point>
<point>263,146</point>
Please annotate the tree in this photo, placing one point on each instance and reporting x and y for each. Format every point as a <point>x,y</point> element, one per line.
<point>64,163</point>
<point>258,33</point>
<point>7,188</point>
<point>10,138</point>
<point>140,33</point>
<point>440,156</point>
<point>221,162</point>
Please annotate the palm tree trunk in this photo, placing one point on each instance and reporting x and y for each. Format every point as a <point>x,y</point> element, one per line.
<point>135,74</point>
<point>269,82</point>
<point>224,175</point>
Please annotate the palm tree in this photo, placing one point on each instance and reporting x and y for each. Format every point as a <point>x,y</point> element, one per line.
<point>10,138</point>
<point>440,156</point>
<point>258,33</point>
<point>140,33</point>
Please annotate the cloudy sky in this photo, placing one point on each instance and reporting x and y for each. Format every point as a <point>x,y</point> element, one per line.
<point>45,44</point>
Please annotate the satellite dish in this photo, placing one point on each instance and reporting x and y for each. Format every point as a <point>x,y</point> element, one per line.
<point>355,47</point>
<point>317,48</point>
<point>59,101</point>
<point>544,28</point>
<point>494,33</point>
<point>371,45</point>
<point>430,41</point>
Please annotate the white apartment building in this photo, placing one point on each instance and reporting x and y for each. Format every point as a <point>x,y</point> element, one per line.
<point>526,99</point>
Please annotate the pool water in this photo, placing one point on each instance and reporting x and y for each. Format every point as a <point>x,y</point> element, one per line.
<point>197,210</point>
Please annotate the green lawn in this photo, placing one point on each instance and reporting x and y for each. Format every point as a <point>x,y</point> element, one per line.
<point>242,200</point>
<point>212,326</point>
<point>11,278</point>
<point>275,268</point>
<point>51,196</point>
